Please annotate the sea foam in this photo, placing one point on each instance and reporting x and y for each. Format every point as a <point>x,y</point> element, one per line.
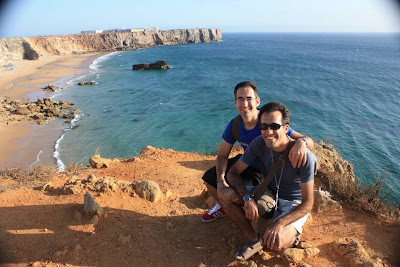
<point>56,153</point>
<point>97,62</point>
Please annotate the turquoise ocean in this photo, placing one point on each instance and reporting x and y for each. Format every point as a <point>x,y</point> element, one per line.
<point>342,88</point>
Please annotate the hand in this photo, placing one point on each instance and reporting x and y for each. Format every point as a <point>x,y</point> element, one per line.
<point>298,154</point>
<point>221,185</point>
<point>272,235</point>
<point>251,210</point>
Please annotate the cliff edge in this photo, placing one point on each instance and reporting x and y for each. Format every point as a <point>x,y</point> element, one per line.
<point>18,48</point>
<point>150,216</point>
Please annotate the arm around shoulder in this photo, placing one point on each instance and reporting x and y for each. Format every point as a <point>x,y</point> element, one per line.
<point>297,135</point>
<point>298,153</point>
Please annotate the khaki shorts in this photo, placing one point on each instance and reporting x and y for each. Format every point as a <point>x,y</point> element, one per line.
<point>285,207</point>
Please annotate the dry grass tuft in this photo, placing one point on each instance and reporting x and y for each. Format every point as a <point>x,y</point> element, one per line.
<point>74,169</point>
<point>369,198</point>
<point>27,177</point>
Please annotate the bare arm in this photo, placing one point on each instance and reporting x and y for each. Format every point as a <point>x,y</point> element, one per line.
<point>236,183</point>
<point>307,191</point>
<point>222,163</point>
<point>298,153</point>
<point>234,178</point>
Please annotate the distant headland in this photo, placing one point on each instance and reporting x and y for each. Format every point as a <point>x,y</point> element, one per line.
<point>31,48</point>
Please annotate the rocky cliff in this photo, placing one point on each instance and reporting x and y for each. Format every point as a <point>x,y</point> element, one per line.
<point>14,49</point>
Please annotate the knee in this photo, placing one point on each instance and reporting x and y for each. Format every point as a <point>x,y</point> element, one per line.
<point>225,196</point>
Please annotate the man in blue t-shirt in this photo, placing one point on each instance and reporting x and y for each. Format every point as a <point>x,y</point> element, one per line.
<point>293,186</point>
<point>246,102</point>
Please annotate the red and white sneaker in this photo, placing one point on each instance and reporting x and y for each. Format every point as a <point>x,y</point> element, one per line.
<point>215,213</point>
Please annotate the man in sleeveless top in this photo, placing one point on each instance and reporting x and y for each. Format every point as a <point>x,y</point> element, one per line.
<point>246,101</point>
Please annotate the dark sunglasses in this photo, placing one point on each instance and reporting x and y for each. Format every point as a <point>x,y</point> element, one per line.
<point>274,126</point>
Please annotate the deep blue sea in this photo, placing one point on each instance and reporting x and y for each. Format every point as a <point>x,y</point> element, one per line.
<point>343,88</point>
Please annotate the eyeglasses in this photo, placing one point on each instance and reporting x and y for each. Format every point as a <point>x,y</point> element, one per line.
<point>274,126</point>
<point>242,99</point>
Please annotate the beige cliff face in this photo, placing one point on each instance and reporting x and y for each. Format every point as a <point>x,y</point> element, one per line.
<point>14,49</point>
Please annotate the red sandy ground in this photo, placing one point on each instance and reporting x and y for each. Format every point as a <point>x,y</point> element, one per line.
<point>35,224</point>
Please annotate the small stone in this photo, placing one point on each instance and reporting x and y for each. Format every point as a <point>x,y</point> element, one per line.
<point>49,187</point>
<point>45,230</point>
<point>57,254</point>
<point>64,252</point>
<point>302,264</point>
<point>92,178</point>
<point>124,239</point>
<point>265,256</point>
<point>294,255</point>
<point>77,247</point>
<point>94,220</point>
<point>251,264</point>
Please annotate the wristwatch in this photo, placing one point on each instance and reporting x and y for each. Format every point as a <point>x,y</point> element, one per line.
<point>304,139</point>
<point>246,198</point>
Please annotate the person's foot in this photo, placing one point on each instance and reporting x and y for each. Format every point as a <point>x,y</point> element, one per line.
<point>249,249</point>
<point>215,213</point>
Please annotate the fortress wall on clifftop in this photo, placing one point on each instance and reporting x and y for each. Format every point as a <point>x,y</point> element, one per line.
<point>18,48</point>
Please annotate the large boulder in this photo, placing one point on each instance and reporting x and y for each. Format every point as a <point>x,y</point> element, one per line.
<point>322,201</point>
<point>159,65</point>
<point>354,253</point>
<point>148,190</point>
<point>98,162</point>
<point>90,206</point>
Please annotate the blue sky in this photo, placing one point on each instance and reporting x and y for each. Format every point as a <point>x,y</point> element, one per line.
<point>47,17</point>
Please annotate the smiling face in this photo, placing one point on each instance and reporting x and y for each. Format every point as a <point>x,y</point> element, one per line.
<point>246,102</point>
<point>274,139</point>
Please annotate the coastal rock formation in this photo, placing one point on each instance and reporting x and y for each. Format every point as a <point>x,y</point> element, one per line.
<point>159,65</point>
<point>88,83</point>
<point>39,111</point>
<point>49,87</point>
<point>354,253</point>
<point>98,162</point>
<point>109,185</point>
<point>18,48</point>
<point>330,161</point>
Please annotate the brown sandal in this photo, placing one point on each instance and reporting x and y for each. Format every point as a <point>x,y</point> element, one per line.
<point>249,249</point>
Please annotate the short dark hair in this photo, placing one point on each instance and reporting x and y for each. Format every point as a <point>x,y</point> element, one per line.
<point>275,106</point>
<point>246,84</point>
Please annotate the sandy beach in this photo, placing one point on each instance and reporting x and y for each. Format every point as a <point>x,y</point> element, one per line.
<point>26,78</point>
